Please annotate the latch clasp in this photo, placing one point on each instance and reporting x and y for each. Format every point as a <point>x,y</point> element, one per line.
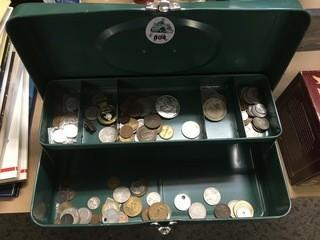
<point>163,5</point>
<point>164,229</point>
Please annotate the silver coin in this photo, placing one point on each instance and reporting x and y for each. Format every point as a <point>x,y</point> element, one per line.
<point>167,106</point>
<point>197,211</point>
<point>71,104</point>
<point>73,212</point>
<point>70,130</point>
<point>111,216</point>
<point>259,110</point>
<point>243,209</point>
<point>85,215</point>
<point>121,194</point>
<point>190,129</point>
<point>182,202</point>
<point>250,112</point>
<point>261,124</point>
<point>93,203</point>
<point>108,134</point>
<point>212,196</point>
<point>58,136</point>
<point>153,197</point>
<point>231,206</point>
<point>91,113</point>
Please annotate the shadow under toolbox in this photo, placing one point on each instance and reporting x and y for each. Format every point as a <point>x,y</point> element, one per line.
<point>158,114</point>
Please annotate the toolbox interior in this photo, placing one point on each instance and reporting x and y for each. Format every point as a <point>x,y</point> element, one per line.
<point>189,90</point>
<point>248,172</point>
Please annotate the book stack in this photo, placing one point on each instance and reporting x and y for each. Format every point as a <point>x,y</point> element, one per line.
<point>14,112</point>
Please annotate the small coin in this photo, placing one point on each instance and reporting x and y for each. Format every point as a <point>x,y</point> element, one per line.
<point>259,110</point>
<point>71,104</point>
<point>91,113</point>
<point>261,124</point>
<point>250,112</point>
<point>166,132</point>
<point>113,182</point>
<point>108,134</point>
<point>121,194</point>
<point>96,218</point>
<point>111,216</point>
<point>222,210</point>
<point>153,197</point>
<point>70,130</point>
<point>62,196</point>
<point>126,131</point>
<point>146,135</point>
<point>73,212</point>
<point>182,202</point>
<point>123,218</point>
<point>214,109</point>
<point>57,120</point>
<point>134,124</point>
<point>132,207</point>
<point>243,209</point>
<point>93,203</point>
<point>138,188</point>
<point>167,106</point>
<point>85,215</point>
<point>197,211</point>
<point>231,206</point>
<point>58,136</point>
<point>152,121</point>
<point>66,219</point>
<point>158,211</point>
<point>110,203</point>
<point>145,214</point>
<point>190,129</point>
<point>212,196</point>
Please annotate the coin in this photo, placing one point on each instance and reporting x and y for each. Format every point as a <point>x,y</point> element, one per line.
<point>96,218</point>
<point>211,195</point>
<point>134,124</point>
<point>138,188</point>
<point>166,132</point>
<point>259,110</point>
<point>85,215</point>
<point>73,212</point>
<point>132,207</point>
<point>130,139</point>
<point>123,218</point>
<point>146,135</point>
<point>145,214</point>
<point>63,206</point>
<point>57,120</point>
<point>214,109</point>
<point>62,196</point>
<point>91,113</point>
<point>93,203</point>
<point>121,194</point>
<point>70,130</point>
<point>107,135</point>
<point>182,202</point>
<point>222,210</point>
<point>231,206</point>
<point>110,203</point>
<point>252,95</point>
<point>153,197</point>
<point>197,211</point>
<point>249,111</point>
<point>167,106</point>
<point>140,122</point>
<point>190,129</point>
<point>123,119</point>
<point>126,131</point>
<point>152,121</point>
<point>107,115</point>
<point>111,216</point>
<point>243,209</point>
<point>66,219</point>
<point>261,124</point>
<point>113,182</point>
<point>158,211</point>
<point>58,135</point>
<point>71,104</point>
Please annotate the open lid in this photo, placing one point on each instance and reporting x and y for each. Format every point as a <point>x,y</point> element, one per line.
<point>98,40</point>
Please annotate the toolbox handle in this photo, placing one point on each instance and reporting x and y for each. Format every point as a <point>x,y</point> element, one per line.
<point>164,228</point>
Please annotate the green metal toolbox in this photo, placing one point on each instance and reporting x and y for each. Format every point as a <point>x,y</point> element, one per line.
<point>206,60</point>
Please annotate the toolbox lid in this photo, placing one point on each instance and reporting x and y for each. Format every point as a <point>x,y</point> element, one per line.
<point>59,41</point>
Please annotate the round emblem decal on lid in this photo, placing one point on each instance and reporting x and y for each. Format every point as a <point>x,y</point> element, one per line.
<point>160,30</point>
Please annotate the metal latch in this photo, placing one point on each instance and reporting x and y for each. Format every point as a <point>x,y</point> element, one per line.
<point>164,228</point>
<point>163,5</point>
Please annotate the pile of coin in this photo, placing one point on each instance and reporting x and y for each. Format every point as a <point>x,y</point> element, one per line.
<point>253,112</point>
<point>215,107</point>
<point>64,127</point>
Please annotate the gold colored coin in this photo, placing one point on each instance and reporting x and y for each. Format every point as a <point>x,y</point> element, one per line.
<point>159,211</point>
<point>133,206</point>
<point>134,124</point>
<point>166,132</point>
<point>145,214</point>
<point>123,218</point>
<point>113,182</point>
<point>63,206</point>
<point>96,218</point>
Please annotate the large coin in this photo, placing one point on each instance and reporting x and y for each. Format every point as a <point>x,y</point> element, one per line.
<point>108,134</point>
<point>158,211</point>
<point>231,206</point>
<point>243,209</point>
<point>166,132</point>
<point>259,110</point>
<point>260,124</point>
<point>132,207</point>
<point>197,211</point>
<point>85,215</point>
<point>252,95</point>
<point>212,196</point>
<point>121,194</point>
<point>70,130</point>
<point>58,135</point>
<point>153,197</point>
<point>167,106</point>
<point>126,131</point>
<point>190,129</point>
<point>222,210</point>
<point>93,203</point>
<point>138,188</point>
<point>214,109</point>
<point>182,202</point>
<point>152,121</point>
<point>146,135</point>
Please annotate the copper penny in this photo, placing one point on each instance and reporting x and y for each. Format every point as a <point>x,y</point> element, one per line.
<point>126,131</point>
<point>146,135</point>
<point>133,123</point>
<point>124,119</point>
<point>132,207</point>
<point>222,210</point>
<point>158,211</point>
<point>152,121</point>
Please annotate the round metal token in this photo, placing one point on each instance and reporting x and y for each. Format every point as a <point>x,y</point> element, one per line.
<point>260,124</point>
<point>212,196</point>
<point>85,215</point>
<point>133,206</point>
<point>108,134</point>
<point>153,197</point>
<point>243,209</point>
<point>138,188</point>
<point>259,110</point>
<point>146,135</point>
<point>190,129</point>
<point>197,211</point>
<point>58,136</point>
<point>167,106</point>
<point>231,206</point>
<point>222,210</point>
<point>214,109</point>
<point>152,121</point>
<point>91,113</point>
<point>182,202</point>
<point>166,132</point>
<point>93,203</point>
<point>158,211</point>
<point>70,130</point>
<point>121,194</point>
<point>126,131</point>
